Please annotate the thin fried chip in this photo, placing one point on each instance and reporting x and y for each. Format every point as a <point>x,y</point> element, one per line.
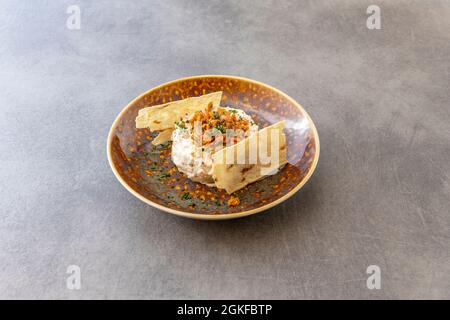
<point>251,159</point>
<point>163,116</point>
<point>163,136</point>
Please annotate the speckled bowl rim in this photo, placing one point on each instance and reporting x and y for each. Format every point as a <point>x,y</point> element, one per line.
<point>225,216</point>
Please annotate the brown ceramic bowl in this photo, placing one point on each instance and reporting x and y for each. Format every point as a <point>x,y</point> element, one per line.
<point>149,174</point>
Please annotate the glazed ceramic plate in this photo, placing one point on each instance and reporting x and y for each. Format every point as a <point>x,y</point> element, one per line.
<point>149,174</point>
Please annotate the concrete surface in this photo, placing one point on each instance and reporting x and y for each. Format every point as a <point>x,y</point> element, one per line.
<point>380,195</point>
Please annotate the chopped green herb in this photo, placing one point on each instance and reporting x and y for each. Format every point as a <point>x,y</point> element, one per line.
<point>165,145</point>
<point>221,128</point>
<point>191,204</point>
<point>163,175</point>
<point>186,196</point>
<point>180,124</point>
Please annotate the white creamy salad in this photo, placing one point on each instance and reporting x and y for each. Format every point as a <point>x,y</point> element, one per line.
<point>195,160</point>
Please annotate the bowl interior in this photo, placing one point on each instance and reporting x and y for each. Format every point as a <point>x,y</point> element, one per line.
<point>149,171</point>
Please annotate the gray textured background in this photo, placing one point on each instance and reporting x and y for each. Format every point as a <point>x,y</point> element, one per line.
<point>380,195</point>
